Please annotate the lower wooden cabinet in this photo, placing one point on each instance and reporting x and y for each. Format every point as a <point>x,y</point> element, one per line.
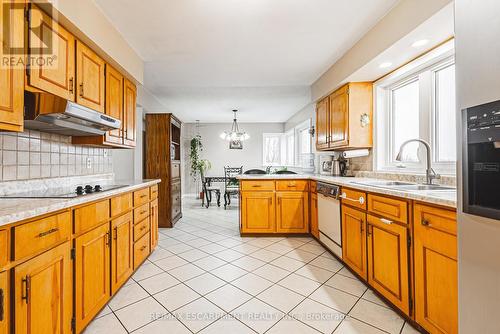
<point>292,212</point>
<point>122,257</point>
<point>43,292</point>
<point>436,277</point>
<point>141,250</point>
<point>257,212</point>
<point>154,223</point>
<point>314,215</point>
<point>388,261</point>
<point>4,303</point>
<point>92,274</point>
<point>354,240</point>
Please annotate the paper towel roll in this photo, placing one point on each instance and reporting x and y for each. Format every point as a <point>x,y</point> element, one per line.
<point>355,153</point>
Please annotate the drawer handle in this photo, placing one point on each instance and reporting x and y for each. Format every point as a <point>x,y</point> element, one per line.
<point>71,85</point>
<point>52,230</point>
<point>386,221</point>
<point>143,248</point>
<point>143,196</point>
<point>142,212</point>
<point>360,200</point>
<point>425,222</point>
<point>256,186</point>
<point>26,282</point>
<point>143,227</point>
<point>81,90</point>
<point>291,185</point>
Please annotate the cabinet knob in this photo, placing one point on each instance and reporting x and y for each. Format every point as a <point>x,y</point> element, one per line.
<point>425,222</point>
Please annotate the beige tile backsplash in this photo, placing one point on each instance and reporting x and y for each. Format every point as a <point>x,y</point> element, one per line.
<point>33,155</point>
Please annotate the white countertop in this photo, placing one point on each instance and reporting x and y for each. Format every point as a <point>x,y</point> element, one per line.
<point>14,210</point>
<point>440,197</point>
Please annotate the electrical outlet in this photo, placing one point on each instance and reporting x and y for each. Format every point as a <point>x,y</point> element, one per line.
<point>89,163</point>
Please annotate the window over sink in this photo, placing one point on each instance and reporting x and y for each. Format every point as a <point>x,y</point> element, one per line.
<point>418,101</point>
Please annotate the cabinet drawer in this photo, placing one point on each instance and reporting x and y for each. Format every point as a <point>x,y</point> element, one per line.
<point>91,215</point>
<point>141,250</point>
<point>354,198</point>
<point>40,235</point>
<point>391,208</point>
<point>141,228</point>
<point>141,196</point>
<point>257,185</point>
<point>141,212</point>
<point>121,204</point>
<point>431,218</point>
<point>153,192</point>
<point>292,185</point>
<point>176,170</point>
<point>176,187</point>
<point>4,247</point>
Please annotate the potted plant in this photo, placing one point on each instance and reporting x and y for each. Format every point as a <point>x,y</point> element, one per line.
<point>194,156</point>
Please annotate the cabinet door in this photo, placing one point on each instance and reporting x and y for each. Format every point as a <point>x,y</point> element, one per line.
<point>436,282</point>
<point>314,215</point>
<point>339,108</point>
<point>4,303</point>
<point>388,261</point>
<point>57,76</point>
<point>292,212</point>
<point>257,212</point>
<point>122,258</point>
<point>114,102</point>
<point>11,77</point>
<point>129,98</point>
<point>154,223</point>
<point>90,69</point>
<point>92,274</point>
<point>322,124</point>
<point>354,240</point>
<point>43,293</point>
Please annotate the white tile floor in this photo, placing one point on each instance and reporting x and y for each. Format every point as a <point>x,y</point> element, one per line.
<point>205,278</point>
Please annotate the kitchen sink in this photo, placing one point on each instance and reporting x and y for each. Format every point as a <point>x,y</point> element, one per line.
<point>397,185</point>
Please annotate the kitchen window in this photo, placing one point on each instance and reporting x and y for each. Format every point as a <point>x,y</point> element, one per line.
<point>418,101</point>
<point>290,149</point>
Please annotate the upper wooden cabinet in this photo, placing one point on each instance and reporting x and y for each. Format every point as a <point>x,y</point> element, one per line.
<point>58,76</point>
<point>11,78</point>
<point>90,69</point>
<point>114,103</point>
<point>436,270</point>
<point>344,119</point>
<point>322,124</point>
<point>43,293</point>
<point>129,118</point>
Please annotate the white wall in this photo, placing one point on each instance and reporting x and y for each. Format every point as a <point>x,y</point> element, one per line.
<point>217,150</point>
<point>477,27</point>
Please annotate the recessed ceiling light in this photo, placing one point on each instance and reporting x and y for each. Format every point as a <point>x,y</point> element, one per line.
<point>385,65</point>
<point>419,43</point>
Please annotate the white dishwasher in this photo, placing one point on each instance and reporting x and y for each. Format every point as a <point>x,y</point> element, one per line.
<point>329,220</point>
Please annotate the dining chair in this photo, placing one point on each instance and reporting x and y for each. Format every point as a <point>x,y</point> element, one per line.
<point>231,184</point>
<point>208,189</point>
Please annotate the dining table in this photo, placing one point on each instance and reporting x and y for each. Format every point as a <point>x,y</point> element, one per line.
<point>214,179</point>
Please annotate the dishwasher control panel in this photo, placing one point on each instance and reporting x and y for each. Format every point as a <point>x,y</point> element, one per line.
<point>329,190</point>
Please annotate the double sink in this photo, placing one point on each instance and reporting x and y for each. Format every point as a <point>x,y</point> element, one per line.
<point>404,186</point>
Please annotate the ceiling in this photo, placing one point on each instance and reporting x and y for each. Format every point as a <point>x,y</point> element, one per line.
<point>206,57</point>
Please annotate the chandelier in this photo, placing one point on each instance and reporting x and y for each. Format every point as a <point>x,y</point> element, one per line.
<point>235,134</point>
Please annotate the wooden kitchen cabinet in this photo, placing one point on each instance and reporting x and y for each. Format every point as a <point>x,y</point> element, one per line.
<point>11,78</point>
<point>92,274</point>
<point>4,303</point>
<point>114,103</point>
<point>354,240</point>
<point>58,75</point>
<point>436,277</point>
<point>344,119</point>
<point>122,257</point>
<point>154,223</point>
<point>388,256</point>
<point>314,215</point>
<point>258,214</point>
<point>129,111</point>
<point>90,70</point>
<point>43,293</point>
<point>292,212</point>
<point>322,124</point>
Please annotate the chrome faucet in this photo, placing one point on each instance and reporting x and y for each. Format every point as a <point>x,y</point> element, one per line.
<point>429,173</point>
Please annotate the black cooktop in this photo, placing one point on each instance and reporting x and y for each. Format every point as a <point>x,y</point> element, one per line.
<point>66,192</point>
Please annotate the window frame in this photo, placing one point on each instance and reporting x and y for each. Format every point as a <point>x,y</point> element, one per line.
<point>424,70</point>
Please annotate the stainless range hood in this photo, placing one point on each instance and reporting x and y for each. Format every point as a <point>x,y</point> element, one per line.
<point>49,113</point>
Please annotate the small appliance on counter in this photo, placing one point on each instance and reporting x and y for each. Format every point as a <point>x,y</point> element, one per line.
<point>333,166</point>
